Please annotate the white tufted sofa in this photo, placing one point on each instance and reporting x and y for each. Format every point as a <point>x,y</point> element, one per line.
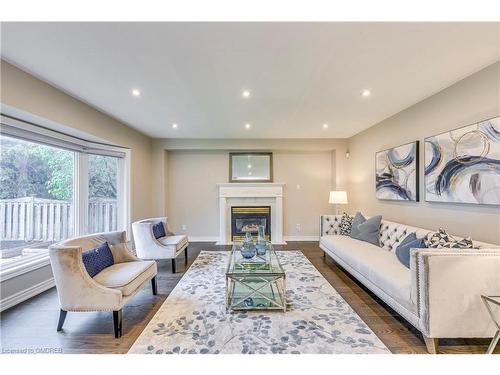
<point>440,294</point>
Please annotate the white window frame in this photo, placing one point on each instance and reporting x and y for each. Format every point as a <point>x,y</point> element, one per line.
<point>123,218</point>
<point>16,128</point>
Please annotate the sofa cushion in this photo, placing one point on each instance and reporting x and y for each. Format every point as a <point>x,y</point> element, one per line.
<point>158,230</point>
<point>95,260</point>
<point>175,243</point>
<point>404,249</point>
<point>366,230</point>
<point>379,266</point>
<point>127,276</point>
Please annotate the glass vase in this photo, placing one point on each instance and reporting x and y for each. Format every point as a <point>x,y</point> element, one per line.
<point>248,250</point>
<point>261,241</point>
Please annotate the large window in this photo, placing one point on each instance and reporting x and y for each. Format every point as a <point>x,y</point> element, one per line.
<point>53,188</point>
<point>103,193</point>
<point>36,197</point>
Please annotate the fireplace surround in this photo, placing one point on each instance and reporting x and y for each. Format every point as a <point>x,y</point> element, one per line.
<point>251,195</point>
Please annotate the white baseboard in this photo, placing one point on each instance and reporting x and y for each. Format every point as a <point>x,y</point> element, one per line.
<point>203,238</point>
<point>230,243</point>
<point>301,238</point>
<point>216,239</point>
<point>25,294</point>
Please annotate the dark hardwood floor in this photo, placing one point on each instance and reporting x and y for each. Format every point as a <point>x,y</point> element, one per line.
<point>31,325</point>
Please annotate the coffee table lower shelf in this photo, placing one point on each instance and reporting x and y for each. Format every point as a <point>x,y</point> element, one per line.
<point>253,292</point>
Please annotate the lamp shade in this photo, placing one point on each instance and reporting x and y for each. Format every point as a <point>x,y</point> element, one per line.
<point>338,197</point>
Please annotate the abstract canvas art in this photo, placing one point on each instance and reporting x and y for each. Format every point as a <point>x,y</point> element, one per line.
<point>396,173</point>
<point>463,165</point>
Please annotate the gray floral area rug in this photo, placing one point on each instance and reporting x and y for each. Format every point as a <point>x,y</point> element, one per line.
<point>193,319</point>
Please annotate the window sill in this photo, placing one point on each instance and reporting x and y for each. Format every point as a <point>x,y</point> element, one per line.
<point>23,266</point>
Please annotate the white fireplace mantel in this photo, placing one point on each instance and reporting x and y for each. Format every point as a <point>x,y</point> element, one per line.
<point>250,194</point>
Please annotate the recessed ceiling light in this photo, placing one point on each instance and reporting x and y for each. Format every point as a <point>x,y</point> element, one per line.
<point>245,94</point>
<point>249,166</point>
<point>325,126</point>
<point>136,93</point>
<point>175,126</point>
<point>248,126</point>
<point>366,93</point>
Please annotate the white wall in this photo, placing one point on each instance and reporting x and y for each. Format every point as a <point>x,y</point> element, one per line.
<point>473,99</point>
<point>193,196</point>
<point>192,191</point>
<point>25,95</point>
<point>302,161</point>
<point>308,178</point>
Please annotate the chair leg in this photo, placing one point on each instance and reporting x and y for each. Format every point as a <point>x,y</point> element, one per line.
<point>62,318</point>
<point>186,255</point>
<point>117,323</point>
<point>173,265</point>
<point>432,345</point>
<point>154,286</point>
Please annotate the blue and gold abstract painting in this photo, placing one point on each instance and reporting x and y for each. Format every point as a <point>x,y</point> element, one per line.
<point>396,173</point>
<point>463,165</point>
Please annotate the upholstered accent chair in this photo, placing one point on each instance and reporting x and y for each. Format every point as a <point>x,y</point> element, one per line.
<point>110,289</point>
<point>147,246</point>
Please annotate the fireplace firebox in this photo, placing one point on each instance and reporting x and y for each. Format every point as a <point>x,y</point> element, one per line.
<point>248,219</point>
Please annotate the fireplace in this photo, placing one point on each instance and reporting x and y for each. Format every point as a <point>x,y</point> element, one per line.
<point>248,219</point>
<point>243,195</point>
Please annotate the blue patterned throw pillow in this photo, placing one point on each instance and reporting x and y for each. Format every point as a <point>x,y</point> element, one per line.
<point>345,224</point>
<point>97,259</point>
<point>441,239</point>
<point>410,242</point>
<point>159,230</point>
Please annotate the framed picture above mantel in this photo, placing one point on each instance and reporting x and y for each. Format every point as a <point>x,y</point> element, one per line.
<point>250,166</point>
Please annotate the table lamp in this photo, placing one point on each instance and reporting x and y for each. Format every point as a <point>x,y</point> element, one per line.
<point>338,197</point>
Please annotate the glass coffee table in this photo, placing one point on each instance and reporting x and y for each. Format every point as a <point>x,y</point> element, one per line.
<point>255,284</point>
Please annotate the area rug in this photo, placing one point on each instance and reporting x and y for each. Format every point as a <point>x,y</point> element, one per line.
<point>193,319</point>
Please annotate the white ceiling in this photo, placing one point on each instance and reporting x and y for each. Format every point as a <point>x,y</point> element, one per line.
<point>301,75</point>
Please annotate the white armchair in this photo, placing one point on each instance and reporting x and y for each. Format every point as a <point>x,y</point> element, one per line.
<point>110,289</point>
<point>149,247</point>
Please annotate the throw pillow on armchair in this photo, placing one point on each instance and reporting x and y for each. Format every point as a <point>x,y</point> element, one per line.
<point>159,230</point>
